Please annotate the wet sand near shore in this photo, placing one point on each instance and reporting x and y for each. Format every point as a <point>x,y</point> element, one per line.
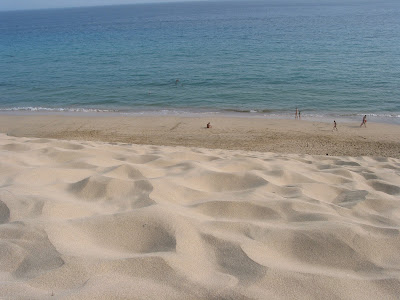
<point>250,134</point>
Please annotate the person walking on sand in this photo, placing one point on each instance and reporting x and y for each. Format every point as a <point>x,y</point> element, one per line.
<point>297,114</point>
<point>364,121</point>
<point>334,126</point>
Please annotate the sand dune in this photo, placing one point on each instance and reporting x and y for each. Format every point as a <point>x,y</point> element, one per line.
<point>95,220</point>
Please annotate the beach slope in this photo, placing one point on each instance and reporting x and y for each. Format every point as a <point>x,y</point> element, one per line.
<point>101,220</point>
<point>233,133</point>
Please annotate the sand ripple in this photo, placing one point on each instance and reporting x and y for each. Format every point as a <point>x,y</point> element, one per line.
<point>118,221</point>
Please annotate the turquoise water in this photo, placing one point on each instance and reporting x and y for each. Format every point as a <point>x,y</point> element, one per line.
<point>265,58</point>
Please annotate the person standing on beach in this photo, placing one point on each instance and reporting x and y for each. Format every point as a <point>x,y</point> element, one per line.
<point>334,126</point>
<point>297,114</point>
<point>364,121</point>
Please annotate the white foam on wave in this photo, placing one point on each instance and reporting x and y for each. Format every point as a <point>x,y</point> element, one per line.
<point>59,109</point>
<point>384,117</point>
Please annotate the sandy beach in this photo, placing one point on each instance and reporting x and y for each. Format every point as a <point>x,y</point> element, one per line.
<point>250,134</point>
<point>163,208</point>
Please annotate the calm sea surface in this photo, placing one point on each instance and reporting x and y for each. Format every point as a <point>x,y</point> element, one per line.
<point>265,58</point>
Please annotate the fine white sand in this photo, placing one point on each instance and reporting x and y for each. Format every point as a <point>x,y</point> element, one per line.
<point>96,220</point>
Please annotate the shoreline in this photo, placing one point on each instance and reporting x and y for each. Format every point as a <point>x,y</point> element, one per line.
<point>231,133</point>
<point>311,116</point>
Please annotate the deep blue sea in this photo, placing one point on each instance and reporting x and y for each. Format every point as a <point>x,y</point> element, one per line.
<point>332,59</point>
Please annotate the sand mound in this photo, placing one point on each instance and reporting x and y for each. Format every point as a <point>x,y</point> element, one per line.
<point>108,235</point>
<point>4,213</point>
<point>26,251</point>
<point>117,221</point>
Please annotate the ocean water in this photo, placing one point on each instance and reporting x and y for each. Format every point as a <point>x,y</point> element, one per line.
<point>332,60</point>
